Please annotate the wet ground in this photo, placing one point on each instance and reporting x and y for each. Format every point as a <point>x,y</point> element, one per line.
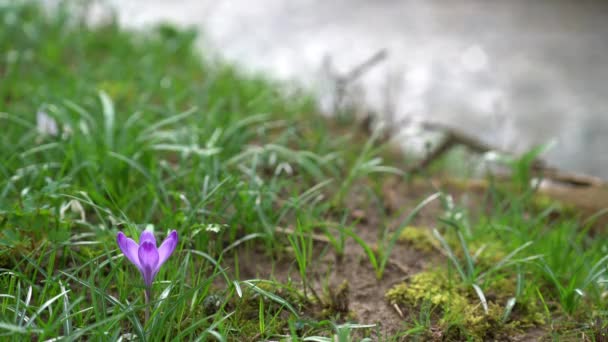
<point>513,73</point>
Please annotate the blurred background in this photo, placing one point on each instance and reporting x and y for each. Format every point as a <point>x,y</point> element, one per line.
<point>511,73</point>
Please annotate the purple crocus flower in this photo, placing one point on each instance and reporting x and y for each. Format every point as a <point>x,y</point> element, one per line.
<point>146,256</point>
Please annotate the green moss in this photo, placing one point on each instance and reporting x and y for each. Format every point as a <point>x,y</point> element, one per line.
<point>419,238</point>
<point>461,314</point>
<point>247,310</point>
<point>541,202</point>
<point>430,286</point>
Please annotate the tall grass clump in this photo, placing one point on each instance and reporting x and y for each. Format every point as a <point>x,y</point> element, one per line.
<point>107,130</point>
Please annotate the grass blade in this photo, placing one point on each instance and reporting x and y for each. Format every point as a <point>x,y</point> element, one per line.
<point>108,117</point>
<point>67,322</point>
<point>450,254</point>
<point>391,244</point>
<point>482,297</point>
<point>508,309</point>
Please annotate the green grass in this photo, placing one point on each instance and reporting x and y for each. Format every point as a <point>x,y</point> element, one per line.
<point>151,134</point>
<point>551,254</point>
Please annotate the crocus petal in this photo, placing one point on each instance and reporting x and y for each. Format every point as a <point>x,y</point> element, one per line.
<point>147,235</point>
<point>148,259</point>
<point>129,248</point>
<point>166,249</point>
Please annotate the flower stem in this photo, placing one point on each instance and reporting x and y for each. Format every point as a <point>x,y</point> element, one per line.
<point>148,295</point>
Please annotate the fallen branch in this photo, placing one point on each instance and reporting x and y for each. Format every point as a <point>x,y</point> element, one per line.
<point>455,137</point>
<point>343,81</point>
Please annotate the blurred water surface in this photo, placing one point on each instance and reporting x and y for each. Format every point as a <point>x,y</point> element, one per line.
<point>513,73</point>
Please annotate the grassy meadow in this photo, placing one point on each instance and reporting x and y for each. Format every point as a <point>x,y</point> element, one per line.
<point>291,226</point>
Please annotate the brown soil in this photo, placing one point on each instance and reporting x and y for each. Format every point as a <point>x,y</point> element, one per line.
<point>365,296</point>
<point>365,299</point>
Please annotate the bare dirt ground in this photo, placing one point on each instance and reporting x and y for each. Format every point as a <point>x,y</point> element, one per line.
<point>363,300</point>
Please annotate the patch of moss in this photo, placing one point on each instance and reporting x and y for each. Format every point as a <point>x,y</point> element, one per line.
<point>419,238</point>
<point>247,309</point>
<point>430,286</point>
<point>462,315</point>
<point>541,202</point>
